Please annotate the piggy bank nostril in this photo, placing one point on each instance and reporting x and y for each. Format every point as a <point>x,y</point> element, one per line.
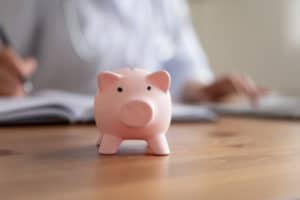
<point>120,89</point>
<point>136,114</point>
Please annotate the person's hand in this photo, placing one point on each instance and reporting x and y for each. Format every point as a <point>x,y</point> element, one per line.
<point>222,88</point>
<point>14,70</point>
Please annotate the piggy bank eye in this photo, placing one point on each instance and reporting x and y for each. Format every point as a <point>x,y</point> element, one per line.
<point>148,87</point>
<point>120,89</point>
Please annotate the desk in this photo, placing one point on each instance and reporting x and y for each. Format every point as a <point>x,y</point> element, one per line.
<point>231,159</point>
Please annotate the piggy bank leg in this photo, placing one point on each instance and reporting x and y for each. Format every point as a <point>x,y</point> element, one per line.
<point>109,144</point>
<point>158,145</point>
<point>99,140</point>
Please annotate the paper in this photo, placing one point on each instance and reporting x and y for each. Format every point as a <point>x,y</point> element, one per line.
<point>272,106</point>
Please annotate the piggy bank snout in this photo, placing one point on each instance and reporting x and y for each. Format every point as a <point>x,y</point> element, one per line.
<point>136,113</point>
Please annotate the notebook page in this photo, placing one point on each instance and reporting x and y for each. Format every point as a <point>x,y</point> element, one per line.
<point>81,105</point>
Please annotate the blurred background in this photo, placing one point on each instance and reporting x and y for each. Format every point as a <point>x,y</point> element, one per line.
<point>256,37</point>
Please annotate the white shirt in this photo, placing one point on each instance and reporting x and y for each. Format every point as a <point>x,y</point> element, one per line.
<point>74,40</point>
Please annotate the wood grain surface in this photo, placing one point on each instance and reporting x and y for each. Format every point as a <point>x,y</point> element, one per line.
<point>231,159</point>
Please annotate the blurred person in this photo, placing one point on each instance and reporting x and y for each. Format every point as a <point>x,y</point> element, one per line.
<point>74,40</point>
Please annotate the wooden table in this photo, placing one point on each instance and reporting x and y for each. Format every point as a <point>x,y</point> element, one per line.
<point>231,159</point>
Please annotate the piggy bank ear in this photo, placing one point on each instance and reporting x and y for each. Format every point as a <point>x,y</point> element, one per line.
<point>160,79</point>
<point>105,79</point>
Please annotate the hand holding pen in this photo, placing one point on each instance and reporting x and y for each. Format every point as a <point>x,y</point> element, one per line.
<point>14,70</point>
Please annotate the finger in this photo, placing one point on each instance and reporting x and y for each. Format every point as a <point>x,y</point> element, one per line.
<point>10,85</point>
<point>253,91</point>
<point>265,91</point>
<point>28,67</point>
<point>10,61</point>
<point>11,91</point>
<point>16,65</point>
<point>245,86</point>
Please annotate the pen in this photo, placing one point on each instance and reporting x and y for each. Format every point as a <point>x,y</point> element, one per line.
<point>7,44</point>
<point>4,39</point>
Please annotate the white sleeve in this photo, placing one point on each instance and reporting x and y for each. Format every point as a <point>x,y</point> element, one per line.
<point>189,61</point>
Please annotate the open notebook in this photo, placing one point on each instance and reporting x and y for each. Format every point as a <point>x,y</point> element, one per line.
<point>46,107</point>
<point>62,107</point>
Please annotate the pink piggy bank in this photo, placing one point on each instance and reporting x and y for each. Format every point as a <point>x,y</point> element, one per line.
<point>133,104</point>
